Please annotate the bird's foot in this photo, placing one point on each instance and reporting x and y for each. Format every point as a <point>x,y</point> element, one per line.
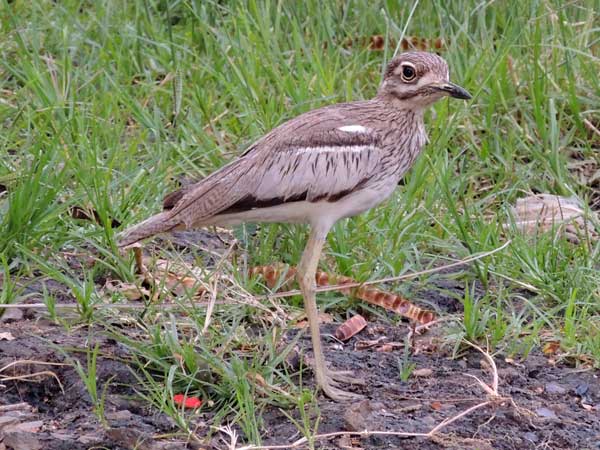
<point>337,394</point>
<point>331,381</point>
<point>344,376</point>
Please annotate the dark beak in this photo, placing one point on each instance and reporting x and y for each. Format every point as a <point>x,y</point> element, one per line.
<point>455,91</point>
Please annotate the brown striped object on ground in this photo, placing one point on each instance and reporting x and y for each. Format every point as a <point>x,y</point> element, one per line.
<point>281,273</point>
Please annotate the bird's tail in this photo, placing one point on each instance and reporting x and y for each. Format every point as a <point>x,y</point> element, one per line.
<point>159,223</point>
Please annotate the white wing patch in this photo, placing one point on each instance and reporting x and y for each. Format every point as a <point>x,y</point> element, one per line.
<point>327,149</point>
<point>353,129</point>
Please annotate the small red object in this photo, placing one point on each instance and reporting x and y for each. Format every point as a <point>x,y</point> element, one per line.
<point>187,402</point>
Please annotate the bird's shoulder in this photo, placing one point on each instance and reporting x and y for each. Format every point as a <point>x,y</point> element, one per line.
<point>325,131</point>
<point>338,126</point>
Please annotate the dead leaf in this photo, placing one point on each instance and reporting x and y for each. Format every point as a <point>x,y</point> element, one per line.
<point>177,278</point>
<point>422,373</point>
<point>128,290</point>
<point>350,327</point>
<point>543,213</point>
<point>550,348</point>
<point>436,406</point>
<point>6,336</point>
<point>257,378</point>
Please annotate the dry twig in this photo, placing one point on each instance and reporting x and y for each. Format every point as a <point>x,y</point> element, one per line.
<point>407,276</point>
<point>32,376</point>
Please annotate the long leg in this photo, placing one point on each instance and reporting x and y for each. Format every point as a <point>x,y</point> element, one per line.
<point>306,279</point>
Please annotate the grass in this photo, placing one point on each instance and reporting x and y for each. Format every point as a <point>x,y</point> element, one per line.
<point>104,105</point>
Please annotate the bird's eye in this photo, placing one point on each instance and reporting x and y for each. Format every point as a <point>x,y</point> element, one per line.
<point>408,73</point>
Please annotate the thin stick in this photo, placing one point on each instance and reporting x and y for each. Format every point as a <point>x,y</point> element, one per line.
<point>213,291</point>
<point>15,407</point>
<point>97,306</point>
<point>492,363</point>
<point>408,276</point>
<point>29,376</point>
<point>590,126</point>
<point>31,361</point>
<point>304,440</point>
<point>449,420</point>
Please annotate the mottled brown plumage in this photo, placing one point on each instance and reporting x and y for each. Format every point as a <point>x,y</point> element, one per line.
<point>322,166</point>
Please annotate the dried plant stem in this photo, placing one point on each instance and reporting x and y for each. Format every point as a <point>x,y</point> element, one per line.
<point>590,126</point>
<point>407,276</point>
<point>213,291</point>
<point>15,407</point>
<point>31,376</point>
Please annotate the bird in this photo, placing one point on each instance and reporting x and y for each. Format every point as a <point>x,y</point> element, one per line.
<point>322,166</point>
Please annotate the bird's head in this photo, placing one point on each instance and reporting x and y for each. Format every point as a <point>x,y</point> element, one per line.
<point>417,80</point>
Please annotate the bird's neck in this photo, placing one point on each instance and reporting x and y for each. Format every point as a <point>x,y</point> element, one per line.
<point>404,134</point>
<point>402,123</point>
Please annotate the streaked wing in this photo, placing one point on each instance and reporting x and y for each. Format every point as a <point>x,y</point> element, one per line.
<point>301,160</point>
<point>322,166</point>
<point>321,155</point>
<point>208,197</point>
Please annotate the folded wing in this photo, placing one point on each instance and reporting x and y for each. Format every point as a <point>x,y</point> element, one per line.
<point>322,164</point>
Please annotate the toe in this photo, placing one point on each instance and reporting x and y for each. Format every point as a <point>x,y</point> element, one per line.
<point>345,376</point>
<point>340,395</point>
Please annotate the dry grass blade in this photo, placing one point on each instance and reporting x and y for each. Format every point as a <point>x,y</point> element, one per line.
<point>31,361</point>
<point>493,389</point>
<point>22,406</point>
<point>213,291</point>
<point>590,126</point>
<point>32,376</point>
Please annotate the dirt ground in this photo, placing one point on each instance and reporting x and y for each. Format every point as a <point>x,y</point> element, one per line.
<point>546,405</point>
<point>558,405</point>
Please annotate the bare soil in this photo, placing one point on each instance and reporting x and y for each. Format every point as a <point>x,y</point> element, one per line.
<point>547,404</point>
<point>558,405</point>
